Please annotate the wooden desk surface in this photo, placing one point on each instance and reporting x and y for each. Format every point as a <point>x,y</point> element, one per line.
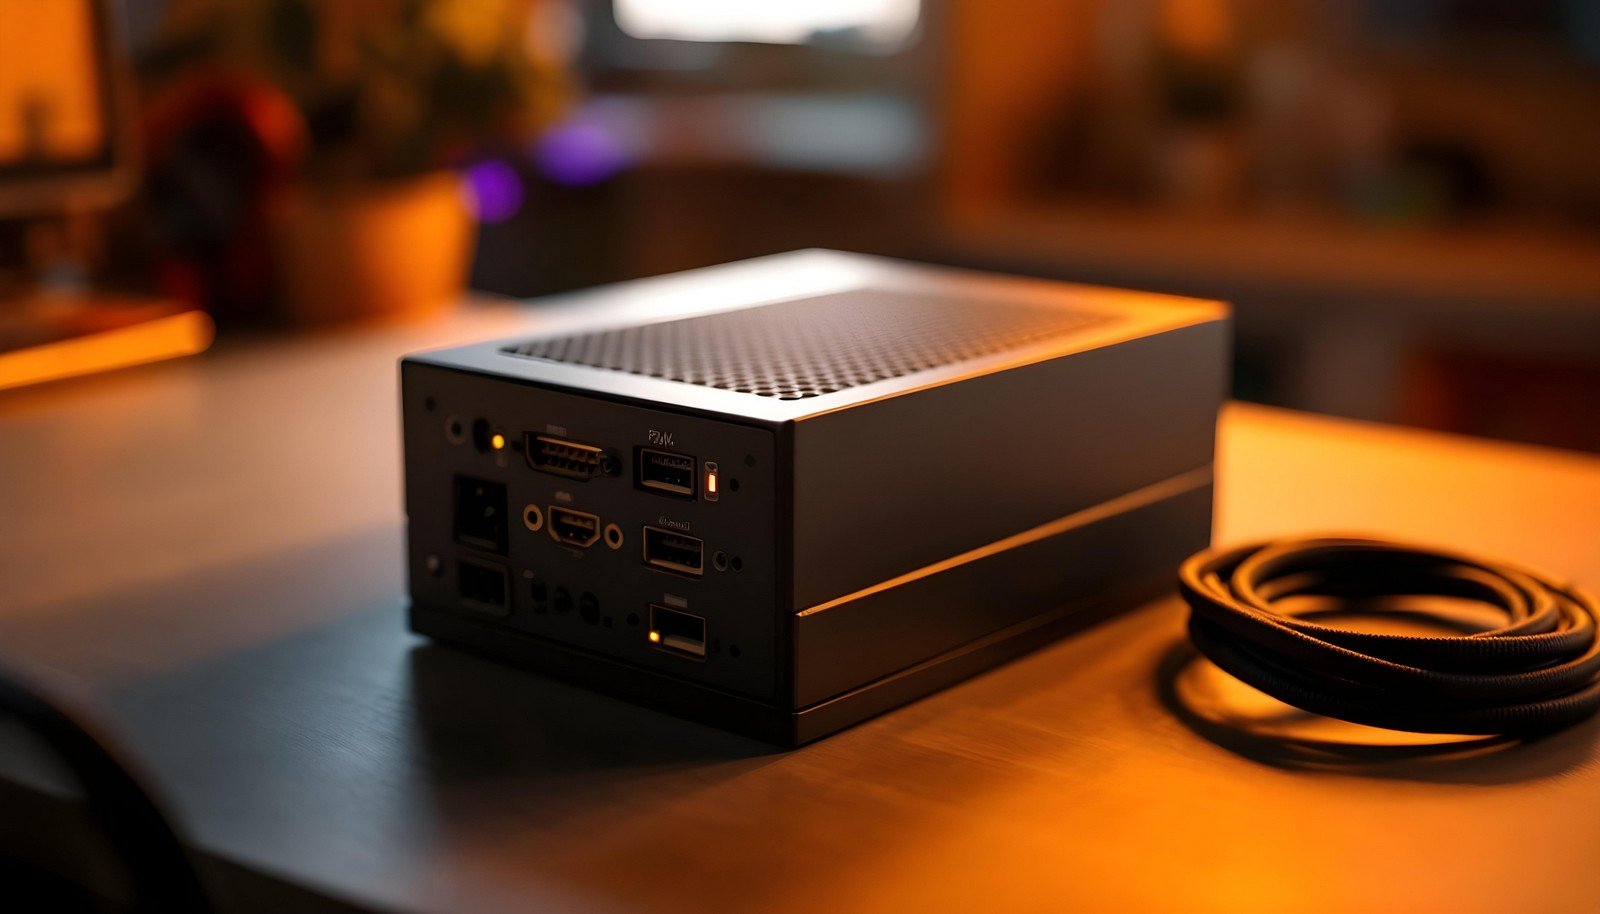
<point>212,549</point>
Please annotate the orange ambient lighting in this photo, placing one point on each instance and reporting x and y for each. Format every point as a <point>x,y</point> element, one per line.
<point>655,637</point>
<point>498,441</point>
<point>180,334</point>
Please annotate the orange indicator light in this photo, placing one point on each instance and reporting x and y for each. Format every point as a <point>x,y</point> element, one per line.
<point>655,637</point>
<point>712,481</point>
<point>498,441</point>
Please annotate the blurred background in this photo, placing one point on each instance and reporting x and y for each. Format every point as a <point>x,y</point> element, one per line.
<point>1400,197</point>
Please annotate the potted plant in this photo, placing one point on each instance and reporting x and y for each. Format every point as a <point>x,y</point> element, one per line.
<point>391,97</point>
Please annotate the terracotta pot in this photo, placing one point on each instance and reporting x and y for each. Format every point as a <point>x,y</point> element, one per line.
<point>399,249</point>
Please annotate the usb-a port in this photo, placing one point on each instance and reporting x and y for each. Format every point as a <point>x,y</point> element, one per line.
<point>674,551</point>
<point>664,472</point>
<point>677,632</point>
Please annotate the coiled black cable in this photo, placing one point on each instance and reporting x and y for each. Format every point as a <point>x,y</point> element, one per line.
<point>1538,672</point>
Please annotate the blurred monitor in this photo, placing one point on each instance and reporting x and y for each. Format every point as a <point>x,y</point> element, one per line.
<point>63,130</point>
<point>64,149</point>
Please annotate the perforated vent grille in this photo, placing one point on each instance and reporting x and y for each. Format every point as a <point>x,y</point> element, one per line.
<point>808,347</point>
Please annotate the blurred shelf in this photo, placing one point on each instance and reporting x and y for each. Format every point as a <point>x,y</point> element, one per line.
<point>1487,271</point>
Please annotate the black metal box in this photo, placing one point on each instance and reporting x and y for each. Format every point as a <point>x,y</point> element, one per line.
<point>783,495</point>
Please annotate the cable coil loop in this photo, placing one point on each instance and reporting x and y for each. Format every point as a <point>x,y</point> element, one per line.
<point>1539,671</point>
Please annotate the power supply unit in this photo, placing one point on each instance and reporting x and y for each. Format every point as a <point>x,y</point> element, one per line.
<point>784,495</point>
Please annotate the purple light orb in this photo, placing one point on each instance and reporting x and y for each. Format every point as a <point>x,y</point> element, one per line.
<point>495,190</point>
<point>579,154</point>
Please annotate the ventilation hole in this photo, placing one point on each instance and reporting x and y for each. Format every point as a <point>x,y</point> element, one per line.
<point>811,347</point>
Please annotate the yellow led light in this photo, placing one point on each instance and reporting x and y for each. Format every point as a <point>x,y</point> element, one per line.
<point>711,483</point>
<point>498,441</point>
<point>655,637</point>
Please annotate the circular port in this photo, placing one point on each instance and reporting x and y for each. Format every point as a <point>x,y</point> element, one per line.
<point>613,536</point>
<point>455,430</point>
<point>562,600</point>
<point>737,563</point>
<point>719,561</point>
<point>610,464</point>
<point>532,518</point>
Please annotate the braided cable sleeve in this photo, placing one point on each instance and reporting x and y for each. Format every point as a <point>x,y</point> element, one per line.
<point>1251,612</point>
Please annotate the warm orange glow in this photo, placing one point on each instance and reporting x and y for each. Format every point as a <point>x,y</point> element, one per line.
<point>711,483</point>
<point>49,99</point>
<point>339,258</point>
<point>655,637</point>
<point>151,341</point>
<point>498,441</point>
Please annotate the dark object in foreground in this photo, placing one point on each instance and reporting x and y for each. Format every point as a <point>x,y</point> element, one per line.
<point>1538,672</point>
<point>162,876</point>
<point>815,488</point>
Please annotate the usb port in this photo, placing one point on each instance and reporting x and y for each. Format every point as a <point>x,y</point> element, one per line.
<point>482,585</point>
<point>664,472</point>
<point>564,457</point>
<point>677,632</point>
<point>674,551</point>
<point>574,528</point>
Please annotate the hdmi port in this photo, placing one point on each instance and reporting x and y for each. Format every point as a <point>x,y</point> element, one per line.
<point>575,528</point>
<point>565,457</point>
<point>674,551</point>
